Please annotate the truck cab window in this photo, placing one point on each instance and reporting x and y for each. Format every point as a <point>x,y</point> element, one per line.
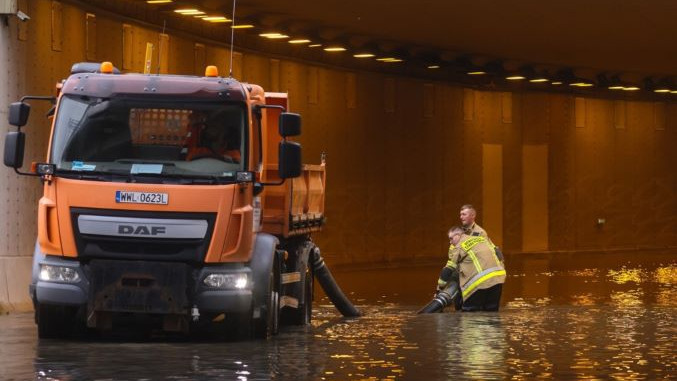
<point>121,135</point>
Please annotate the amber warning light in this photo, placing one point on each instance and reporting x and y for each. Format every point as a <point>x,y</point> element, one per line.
<point>211,71</point>
<point>106,67</point>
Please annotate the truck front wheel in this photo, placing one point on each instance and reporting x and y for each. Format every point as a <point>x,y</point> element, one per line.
<point>56,321</point>
<point>268,324</point>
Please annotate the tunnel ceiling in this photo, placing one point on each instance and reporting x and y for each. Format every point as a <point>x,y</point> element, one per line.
<point>600,42</point>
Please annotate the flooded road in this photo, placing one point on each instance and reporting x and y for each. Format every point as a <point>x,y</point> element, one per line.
<point>585,316</point>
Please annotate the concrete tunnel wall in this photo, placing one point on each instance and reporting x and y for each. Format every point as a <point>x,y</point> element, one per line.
<point>403,154</point>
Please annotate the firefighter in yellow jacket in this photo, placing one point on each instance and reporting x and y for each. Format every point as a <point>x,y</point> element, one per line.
<point>470,227</point>
<point>474,261</point>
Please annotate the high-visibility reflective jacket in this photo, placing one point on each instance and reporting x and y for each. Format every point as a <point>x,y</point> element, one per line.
<point>477,264</point>
<point>476,230</point>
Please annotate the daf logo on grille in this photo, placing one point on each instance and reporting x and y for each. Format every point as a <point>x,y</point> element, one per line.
<point>136,227</point>
<point>141,230</point>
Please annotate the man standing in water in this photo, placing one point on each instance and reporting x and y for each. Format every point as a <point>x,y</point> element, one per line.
<point>480,273</point>
<point>470,227</point>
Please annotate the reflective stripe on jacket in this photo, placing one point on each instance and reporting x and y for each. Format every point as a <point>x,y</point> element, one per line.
<point>479,267</point>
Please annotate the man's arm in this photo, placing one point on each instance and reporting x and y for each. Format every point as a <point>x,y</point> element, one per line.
<point>450,270</point>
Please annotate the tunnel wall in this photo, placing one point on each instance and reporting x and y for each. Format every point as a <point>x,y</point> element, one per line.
<point>403,154</point>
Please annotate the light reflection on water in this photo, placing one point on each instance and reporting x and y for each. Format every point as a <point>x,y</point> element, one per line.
<point>616,320</point>
<point>626,275</point>
<point>666,275</point>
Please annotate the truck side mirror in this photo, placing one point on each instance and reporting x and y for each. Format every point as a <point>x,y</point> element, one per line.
<point>289,160</point>
<point>289,124</point>
<point>14,149</point>
<point>18,113</point>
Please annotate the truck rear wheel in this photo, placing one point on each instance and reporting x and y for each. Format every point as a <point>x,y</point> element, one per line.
<point>56,321</point>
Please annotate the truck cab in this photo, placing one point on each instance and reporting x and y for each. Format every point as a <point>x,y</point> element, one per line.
<point>179,200</point>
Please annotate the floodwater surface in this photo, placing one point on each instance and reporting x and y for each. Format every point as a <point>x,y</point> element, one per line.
<point>592,316</point>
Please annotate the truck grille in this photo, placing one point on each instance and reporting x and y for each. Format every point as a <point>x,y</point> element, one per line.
<point>93,243</point>
<point>140,286</point>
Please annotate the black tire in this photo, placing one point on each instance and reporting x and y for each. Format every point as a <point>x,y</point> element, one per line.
<point>56,322</point>
<point>307,307</point>
<point>269,322</point>
<point>237,327</point>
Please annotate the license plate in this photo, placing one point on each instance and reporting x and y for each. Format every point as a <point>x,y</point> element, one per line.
<point>141,197</point>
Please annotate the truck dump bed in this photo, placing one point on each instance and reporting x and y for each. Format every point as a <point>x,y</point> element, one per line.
<point>297,206</point>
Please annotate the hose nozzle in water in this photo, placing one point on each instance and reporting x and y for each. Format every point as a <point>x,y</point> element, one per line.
<point>444,298</point>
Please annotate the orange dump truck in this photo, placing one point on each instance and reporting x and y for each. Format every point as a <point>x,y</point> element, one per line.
<point>165,201</point>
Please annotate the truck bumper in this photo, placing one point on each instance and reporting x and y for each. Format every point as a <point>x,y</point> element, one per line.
<point>59,293</point>
<point>142,287</point>
<point>225,301</point>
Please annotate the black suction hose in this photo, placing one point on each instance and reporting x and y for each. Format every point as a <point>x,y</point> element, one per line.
<point>444,298</point>
<point>330,287</point>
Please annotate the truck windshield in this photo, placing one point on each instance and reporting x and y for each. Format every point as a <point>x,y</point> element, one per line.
<point>149,138</point>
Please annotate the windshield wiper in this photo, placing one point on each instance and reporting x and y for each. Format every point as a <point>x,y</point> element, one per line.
<point>179,178</point>
<point>145,161</point>
<point>92,175</point>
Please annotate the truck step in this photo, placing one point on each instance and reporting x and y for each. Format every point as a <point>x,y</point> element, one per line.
<point>292,277</point>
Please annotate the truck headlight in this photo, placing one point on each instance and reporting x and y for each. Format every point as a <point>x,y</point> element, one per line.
<point>64,274</point>
<point>237,281</point>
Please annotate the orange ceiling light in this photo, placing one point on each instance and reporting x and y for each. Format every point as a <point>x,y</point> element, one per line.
<point>158,1</point>
<point>274,35</point>
<point>539,79</point>
<point>216,19</point>
<point>189,11</point>
<point>334,49</point>
<point>389,59</point>
<point>363,55</point>
<point>299,41</point>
